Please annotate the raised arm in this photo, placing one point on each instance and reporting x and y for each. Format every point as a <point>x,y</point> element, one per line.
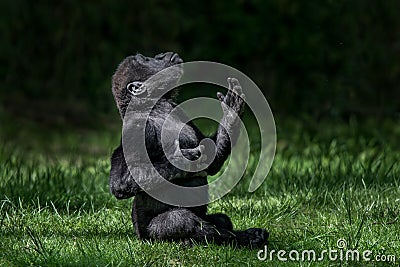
<point>228,130</point>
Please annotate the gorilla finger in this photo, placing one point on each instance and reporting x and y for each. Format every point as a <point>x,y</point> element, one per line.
<point>237,89</point>
<point>235,82</point>
<point>220,96</point>
<point>228,98</point>
<point>229,83</point>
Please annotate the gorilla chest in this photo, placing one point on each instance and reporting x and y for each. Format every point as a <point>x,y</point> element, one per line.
<point>180,131</point>
<point>172,129</point>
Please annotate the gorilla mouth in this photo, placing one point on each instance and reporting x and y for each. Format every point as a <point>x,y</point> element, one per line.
<point>175,59</point>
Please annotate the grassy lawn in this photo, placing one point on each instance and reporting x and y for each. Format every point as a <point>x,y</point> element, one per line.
<point>329,181</point>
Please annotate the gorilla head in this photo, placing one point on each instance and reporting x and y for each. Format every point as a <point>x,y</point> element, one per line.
<point>135,78</point>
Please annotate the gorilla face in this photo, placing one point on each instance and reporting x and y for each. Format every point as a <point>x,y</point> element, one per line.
<point>132,77</point>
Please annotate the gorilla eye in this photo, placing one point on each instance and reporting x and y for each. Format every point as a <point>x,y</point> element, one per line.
<point>135,88</point>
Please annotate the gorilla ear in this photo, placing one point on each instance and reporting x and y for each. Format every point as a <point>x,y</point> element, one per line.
<point>136,88</point>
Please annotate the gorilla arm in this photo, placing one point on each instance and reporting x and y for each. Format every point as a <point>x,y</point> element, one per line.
<point>122,183</point>
<point>228,130</point>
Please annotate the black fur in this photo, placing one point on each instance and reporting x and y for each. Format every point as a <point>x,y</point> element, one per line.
<point>151,218</point>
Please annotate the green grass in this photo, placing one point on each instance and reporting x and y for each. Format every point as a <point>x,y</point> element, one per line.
<point>329,180</point>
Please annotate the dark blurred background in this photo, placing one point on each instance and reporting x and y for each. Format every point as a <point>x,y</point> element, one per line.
<point>334,59</point>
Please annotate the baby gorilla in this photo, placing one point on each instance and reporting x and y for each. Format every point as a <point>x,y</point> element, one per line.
<point>153,219</point>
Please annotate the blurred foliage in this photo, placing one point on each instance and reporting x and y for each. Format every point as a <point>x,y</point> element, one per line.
<point>323,58</point>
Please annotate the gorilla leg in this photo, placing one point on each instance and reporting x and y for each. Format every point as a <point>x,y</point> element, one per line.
<point>253,237</point>
<point>155,220</point>
<point>220,220</point>
<point>183,224</point>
